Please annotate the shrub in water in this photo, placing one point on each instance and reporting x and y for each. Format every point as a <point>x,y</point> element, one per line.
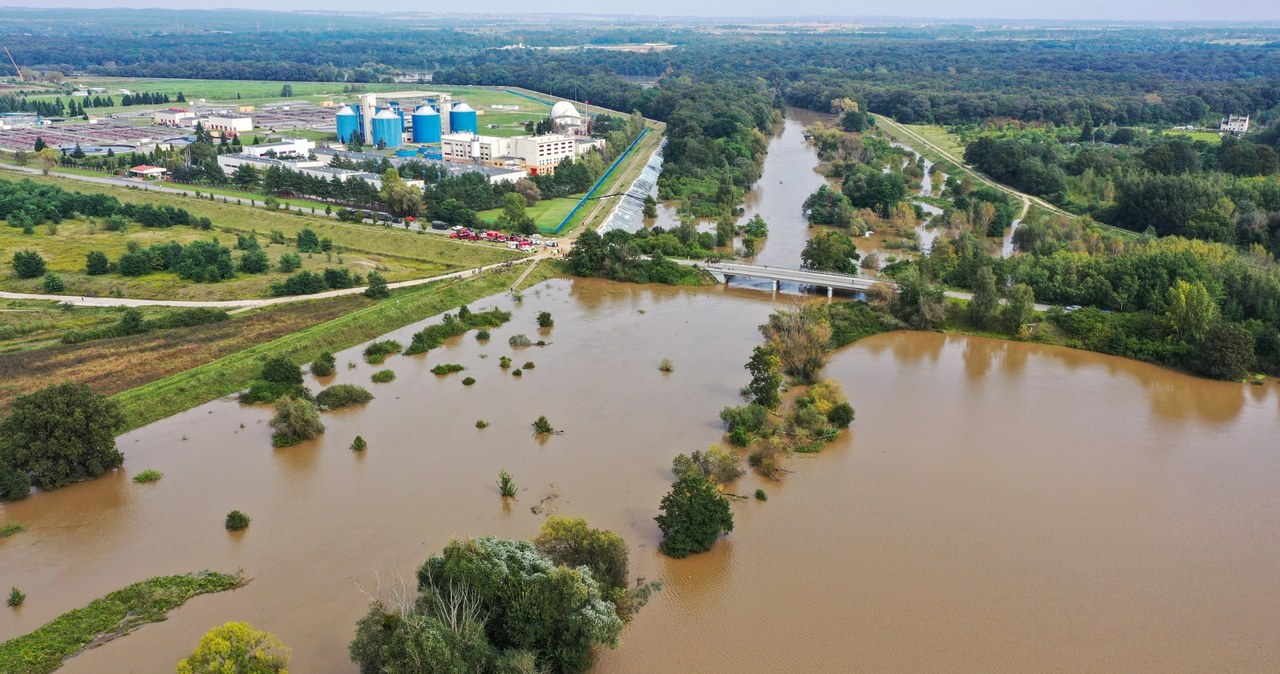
<point>342,395</point>
<point>761,496</point>
<point>528,365</point>
<point>481,423</point>
<point>383,376</point>
<point>323,365</point>
<point>447,368</point>
<point>147,476</point>
<point>16,597</point>
<point>504,362</point>
<point>482,336</point>
<point>506,486</point>
<point>517,373</point>
<point>281,371</point>
<point>544,319</point>
<point>359,445</point>
<point>519,341</point>
<point>666,365</point>
<point>295,420</point>
<point>542,425</point>
<point>237,521</point>
<point>468,381</point>
<point>377,352</point>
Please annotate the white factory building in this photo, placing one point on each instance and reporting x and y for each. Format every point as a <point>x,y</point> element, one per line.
<point>539,155</point>
<point>285,147</point>
<point>228,124</point>
<point>173,117</point>
<point>567,118</point>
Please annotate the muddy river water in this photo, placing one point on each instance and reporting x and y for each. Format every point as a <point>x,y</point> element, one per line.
<point>995,505</point>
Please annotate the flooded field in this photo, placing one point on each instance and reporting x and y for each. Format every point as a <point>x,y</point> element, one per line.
<point>996,505</point>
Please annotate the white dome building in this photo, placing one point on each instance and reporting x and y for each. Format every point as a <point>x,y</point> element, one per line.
<point>566,116</point>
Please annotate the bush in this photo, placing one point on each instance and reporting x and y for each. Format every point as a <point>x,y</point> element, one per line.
<point>544,319</point>
<point>761,496</point>
<point>482,336</point>
<point>447,368</point>
<point>384,376</point>
<point>517,372</point>
<point>570,542</point>
<point>236,647</point>
<point>28,264</point>
<point>96,263</point>
<point>260,392</point>
<point>290,262</point>
<point>666,366</point>
<point>237,521</point>
<point>147,476</point>
<point>377,286</point>
<point>53,283</point>
<point>377,352</point>
<point>467,381</point>
<point>359,445</point>
<point>1226,352</point>
<point>280,370</point>
<point>254,261</point>
<point>61,434</point>
<point>342,395</point>
<point>541,425</point>
<point>10,528</point>
<point>295,420</point>
<point>302,283</point>
<point>504,362</point>
<point>744,421</point>
<point>694,514</point>
<point>16,597</point>
<point>481,423</point>
<point>528,365</point>
<point>14,483</point>
<point>519,341</point>
<point>715,464</point>
<point>323,365</point>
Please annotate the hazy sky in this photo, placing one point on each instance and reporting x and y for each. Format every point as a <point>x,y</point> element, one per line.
<point>1094,10</point>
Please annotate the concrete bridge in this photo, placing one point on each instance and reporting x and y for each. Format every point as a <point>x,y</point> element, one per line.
<point>723,271</point>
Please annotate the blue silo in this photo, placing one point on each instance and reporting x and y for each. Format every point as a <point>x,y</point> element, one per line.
<point>348,124</point>
<point>388,129</point>
<point>426,125</point>
<point>463,119</point>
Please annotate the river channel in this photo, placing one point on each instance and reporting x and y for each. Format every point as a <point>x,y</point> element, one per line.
<point>995,505</point>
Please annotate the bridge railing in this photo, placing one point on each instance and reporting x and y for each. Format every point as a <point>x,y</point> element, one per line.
<point>730,267</point>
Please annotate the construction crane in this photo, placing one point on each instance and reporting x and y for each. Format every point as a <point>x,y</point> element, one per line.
<point>16,69</point>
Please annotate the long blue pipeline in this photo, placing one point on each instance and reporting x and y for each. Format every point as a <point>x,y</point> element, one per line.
<point>612,166</point>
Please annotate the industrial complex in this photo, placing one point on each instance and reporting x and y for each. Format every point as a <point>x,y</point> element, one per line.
<point>426,126</point>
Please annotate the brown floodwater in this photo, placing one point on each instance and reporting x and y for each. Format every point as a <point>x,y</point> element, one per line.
<point>996,505</point>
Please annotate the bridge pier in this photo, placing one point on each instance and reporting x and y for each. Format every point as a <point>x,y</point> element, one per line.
<point>830,292</point>
<point>776,285</point>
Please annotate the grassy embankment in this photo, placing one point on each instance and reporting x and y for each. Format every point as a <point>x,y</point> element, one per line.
<point>593,213</point>
<point>397,254</point>
<point>546,214</point>
<point>211,380</point>
<point>107,618</point>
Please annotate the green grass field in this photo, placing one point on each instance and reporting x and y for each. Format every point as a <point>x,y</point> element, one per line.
<point>399,254</point>
<point>939,136</point>
<point>546,214</point>
<point>1210,137</point>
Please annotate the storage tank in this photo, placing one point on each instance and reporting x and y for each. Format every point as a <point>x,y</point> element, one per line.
<point>463,119</point>
<point>388,129</point>
<point>348,124</point>
<point>426,125</point>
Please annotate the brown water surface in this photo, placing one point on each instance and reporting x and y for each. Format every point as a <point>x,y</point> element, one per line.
<point>996,506</point>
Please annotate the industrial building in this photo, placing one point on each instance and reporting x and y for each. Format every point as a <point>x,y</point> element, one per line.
<point>173,117</point>
<point>567,118</point>
<point>232,124</point>
<point>539,155</point>
<point>285,147</point>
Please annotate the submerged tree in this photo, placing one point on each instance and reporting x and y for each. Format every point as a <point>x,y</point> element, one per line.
<point>237,648</point>
<point>694,514</point>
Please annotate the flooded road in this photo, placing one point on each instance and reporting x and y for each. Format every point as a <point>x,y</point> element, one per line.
<point>997,505</point>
